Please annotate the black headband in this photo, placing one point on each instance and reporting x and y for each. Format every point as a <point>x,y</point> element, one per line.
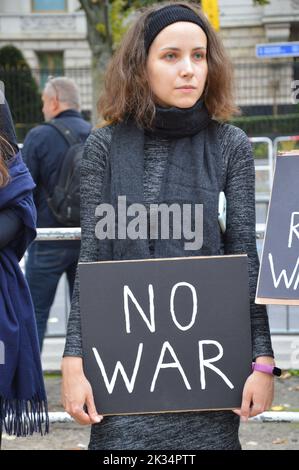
<point>163,17</point>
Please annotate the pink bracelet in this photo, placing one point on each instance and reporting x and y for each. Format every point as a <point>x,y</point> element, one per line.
<point>267,368</point>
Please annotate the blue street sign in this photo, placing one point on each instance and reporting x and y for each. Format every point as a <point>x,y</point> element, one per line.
<point>277,49</point>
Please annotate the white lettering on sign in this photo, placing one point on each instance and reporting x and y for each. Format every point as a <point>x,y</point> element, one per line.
<point>166,346</point>
<point>119,368</point>
<point>294,277</point>
<point>150,323</point>
<point>166,365</point>
<point>294,229</point>
<point>194,298</point>
<point>208,363</point>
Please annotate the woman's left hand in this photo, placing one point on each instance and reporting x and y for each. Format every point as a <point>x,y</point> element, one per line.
<point>257,395</point>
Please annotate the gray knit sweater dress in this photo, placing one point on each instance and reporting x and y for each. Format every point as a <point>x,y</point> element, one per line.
<point>173,431</point>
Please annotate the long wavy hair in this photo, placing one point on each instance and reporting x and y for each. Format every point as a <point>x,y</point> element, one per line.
<point>6,151</point>
<point>127,90</point>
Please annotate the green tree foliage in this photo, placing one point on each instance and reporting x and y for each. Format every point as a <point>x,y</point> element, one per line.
<point>21,90</point>
<point>261,2</point>
<point>119,15</point>
<point>120,12</point>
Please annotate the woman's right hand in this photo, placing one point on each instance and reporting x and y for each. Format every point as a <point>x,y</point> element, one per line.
<point>76,392</point>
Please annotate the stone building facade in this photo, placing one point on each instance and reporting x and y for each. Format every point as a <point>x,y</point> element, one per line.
<point>52,37</point>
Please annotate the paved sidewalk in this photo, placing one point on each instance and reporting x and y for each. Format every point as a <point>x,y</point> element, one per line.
<point>262,436</point>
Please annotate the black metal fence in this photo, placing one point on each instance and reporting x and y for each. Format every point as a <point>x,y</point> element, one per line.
<point>262,88</point>
<point>266,88</point>
<point>23,90</point>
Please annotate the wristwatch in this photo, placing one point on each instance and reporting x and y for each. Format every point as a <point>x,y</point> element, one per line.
<point>267,368</point>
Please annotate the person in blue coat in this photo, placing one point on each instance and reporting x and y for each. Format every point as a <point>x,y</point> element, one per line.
<point>43,151</point>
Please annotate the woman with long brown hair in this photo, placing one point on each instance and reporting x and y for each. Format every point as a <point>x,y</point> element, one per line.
<point>168,92</point>
<point>23,404</point>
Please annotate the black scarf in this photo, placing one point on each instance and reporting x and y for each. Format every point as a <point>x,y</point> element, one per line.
<point>180,122</point>
<point>193,174</point>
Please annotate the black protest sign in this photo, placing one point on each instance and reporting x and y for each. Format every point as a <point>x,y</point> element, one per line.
<point>278,281</point>
<point>166,334</point>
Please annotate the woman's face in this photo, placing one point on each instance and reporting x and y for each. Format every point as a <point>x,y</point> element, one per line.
<point>177,65</point>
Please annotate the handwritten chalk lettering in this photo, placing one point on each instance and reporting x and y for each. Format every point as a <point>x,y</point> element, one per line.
<point>150,323</point>
<point>130,383</point>
<point>294,277</point>
<point>207,363</point>
<point>194,298</point>
<point>127,293</point>
<point>176,364</point>
<point>294,228</point>
<point>119,368</point>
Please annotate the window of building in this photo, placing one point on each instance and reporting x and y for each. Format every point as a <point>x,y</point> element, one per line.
<point>50,63</point>
<point>48,6</point>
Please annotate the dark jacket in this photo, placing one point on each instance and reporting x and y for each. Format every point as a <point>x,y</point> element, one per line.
<point>43,150</point>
